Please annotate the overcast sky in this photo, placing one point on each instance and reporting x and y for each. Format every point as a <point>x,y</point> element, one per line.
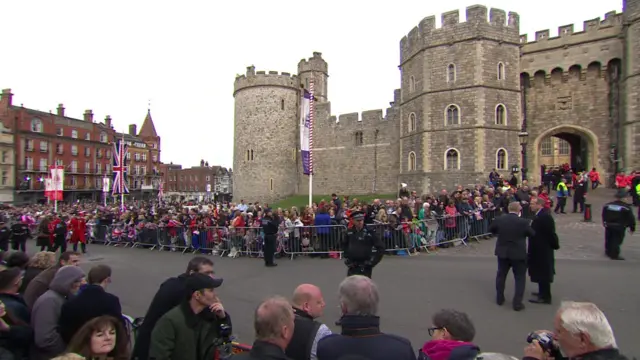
<point>114,56</point>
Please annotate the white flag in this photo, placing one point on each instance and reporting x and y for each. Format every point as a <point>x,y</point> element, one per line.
<point>105,184</point>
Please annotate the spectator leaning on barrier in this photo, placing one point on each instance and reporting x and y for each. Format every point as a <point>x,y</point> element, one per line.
<point>308,305</point>
<point>274,327</point>
<point>452,335</point>
<point>360,323</point>
<point>169,295</point>
<point>581,331</point>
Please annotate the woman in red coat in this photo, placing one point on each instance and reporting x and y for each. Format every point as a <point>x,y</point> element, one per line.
<point>79,227</point>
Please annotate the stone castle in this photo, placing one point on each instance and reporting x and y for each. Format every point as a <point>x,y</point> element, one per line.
<point>471,93</point>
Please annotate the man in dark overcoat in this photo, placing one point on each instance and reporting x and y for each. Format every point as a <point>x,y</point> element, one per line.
<point>540,255</point>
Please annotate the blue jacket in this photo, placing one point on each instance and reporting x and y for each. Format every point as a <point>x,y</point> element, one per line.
<point>322,219</point>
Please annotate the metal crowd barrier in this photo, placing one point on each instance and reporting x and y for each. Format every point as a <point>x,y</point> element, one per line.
<point>323,240</point>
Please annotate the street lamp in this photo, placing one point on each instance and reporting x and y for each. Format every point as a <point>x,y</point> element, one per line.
<point>523,137</point>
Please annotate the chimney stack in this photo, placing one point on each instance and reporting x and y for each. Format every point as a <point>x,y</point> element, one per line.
<point>60,110</point>
<point>132,129</point>
<point>107,121</point>
<point>7,97</point>
<point>88,116</point>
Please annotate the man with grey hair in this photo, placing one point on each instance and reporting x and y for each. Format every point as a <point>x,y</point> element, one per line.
<point>540,255</point>
<point>361,335</point>
<point>274,325</point>
<point>511,251</point>
<point>581,331</point>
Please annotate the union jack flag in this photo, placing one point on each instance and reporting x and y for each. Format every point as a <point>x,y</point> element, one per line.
<point>120,150</point>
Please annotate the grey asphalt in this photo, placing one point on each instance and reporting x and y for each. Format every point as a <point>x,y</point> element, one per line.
<point>413,288</point>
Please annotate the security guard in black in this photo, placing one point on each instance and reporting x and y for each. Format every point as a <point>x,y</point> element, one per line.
<point>270,225</point>
<point>358,248</point>
<point>617,216</point>
<point>19,235</point>
<point>5,235</point>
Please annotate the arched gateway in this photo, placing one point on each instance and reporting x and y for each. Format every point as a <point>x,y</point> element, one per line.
<point>584,153</point>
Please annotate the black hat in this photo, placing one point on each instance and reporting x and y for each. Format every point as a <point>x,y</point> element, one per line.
<point>357,215</point>
<point>622,193</point>
<point>197,282</point>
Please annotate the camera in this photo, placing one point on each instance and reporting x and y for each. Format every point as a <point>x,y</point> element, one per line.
<point>545,340</point>
<point>225,332</point>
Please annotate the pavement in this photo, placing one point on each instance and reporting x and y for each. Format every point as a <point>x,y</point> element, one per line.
<point>413,288</point>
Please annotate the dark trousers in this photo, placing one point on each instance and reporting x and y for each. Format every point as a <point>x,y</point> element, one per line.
<point>519,274</point>
<point>562,202</point>
<point>613,238</point>
<point>544,291</point>
<point>360,270</point>
<point>578,200</point>
<point>62,245</point>
<point>269,248</point>
<point>83,246</point>
<point>4,245</point>
<point>19,244</point>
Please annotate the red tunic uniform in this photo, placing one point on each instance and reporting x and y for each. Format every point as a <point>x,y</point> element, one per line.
<point>79,227</point>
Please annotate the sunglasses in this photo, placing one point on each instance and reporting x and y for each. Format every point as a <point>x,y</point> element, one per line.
<point>433,330</point>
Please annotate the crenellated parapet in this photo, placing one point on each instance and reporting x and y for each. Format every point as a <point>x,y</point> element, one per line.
<point>593,30</point>
<point>315,63</point>
<point>481,23</point>
<point>254,78</point>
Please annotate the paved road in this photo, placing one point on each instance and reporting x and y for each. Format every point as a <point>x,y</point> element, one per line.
<point>412,288</point>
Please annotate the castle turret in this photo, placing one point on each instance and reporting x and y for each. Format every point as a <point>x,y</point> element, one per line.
<point>265,135</point>
<point>629,145</point>
<point>316,69</point>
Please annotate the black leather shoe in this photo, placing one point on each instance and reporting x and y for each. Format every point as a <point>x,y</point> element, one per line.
<point>617,258</point>
<point>540,301</point>
<point>500,301</point>
<point>518,307</point>
<point>271,265</point>
<point>535,294</point>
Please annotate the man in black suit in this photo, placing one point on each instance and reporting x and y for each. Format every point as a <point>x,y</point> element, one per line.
<point>541,258</point>
<point>511,250</point>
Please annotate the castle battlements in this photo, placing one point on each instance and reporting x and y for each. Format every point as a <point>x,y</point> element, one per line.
<point>315,63</point>
<point>593,30</point>
<point>255,78</point>
<point>496,27</point>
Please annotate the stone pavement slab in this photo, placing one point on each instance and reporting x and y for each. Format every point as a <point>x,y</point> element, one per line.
<point>412,289</point>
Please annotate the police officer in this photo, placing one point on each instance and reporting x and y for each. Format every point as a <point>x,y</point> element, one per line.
<point>5,235</point>
<point>617,216</point>
<point>270,225</point>
<point>19,235</point>
<point>358,247</point>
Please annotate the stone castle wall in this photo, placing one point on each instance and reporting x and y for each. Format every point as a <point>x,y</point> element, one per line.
<point>343,165</point>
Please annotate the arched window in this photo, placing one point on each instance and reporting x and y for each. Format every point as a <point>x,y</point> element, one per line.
<point>103,137</point>
<point>501,159</point>
<point>452,115</point>
<point>412,84</point>
<point>359,138</point>
<point>501,115</point>
<point>452,159</point>
<point>501,71</point>
<point>412,161</point>
<point>270,184</point>
<point>412,122</point>
<point>451,73</point>
<point>36,125</point>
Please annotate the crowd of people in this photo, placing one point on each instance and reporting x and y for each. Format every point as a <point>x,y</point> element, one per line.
<point>60,313</point>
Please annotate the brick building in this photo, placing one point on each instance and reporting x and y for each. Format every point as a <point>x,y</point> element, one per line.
<point>82,146</point>
<point>198,182</point>
<point>474,95</point>
<point>7,168</point>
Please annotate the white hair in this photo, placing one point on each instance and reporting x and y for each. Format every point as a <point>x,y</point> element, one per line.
<point>359,295</point>
<point>495,356</point>
<point>587,318</point>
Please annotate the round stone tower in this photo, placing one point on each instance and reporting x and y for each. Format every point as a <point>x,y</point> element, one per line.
<point>265,135</point>
<point>630,136</point>
<point>315,69</point>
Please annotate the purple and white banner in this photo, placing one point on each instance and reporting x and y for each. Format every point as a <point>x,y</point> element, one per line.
<point>306,129</point>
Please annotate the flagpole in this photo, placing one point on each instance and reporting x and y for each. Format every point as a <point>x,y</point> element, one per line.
<point>124,159</point>
<point>311,114</point>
